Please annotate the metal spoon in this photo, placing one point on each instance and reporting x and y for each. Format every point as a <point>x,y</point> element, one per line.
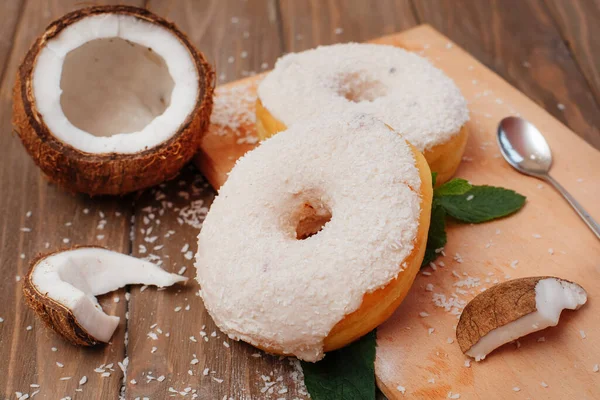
<point>525,148</point>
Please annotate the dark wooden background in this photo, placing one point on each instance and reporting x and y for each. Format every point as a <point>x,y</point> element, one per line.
<point>548,49</point>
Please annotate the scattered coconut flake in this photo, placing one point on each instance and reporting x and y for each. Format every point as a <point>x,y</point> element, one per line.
<point>453,395</point>
<point>429,287</point>
<point>59,365</point>
<point>160,378</point>
<point>544,384</point>
<point>560,106</point>
<point>551,251</point>
<point>177,309</point>
<point>516,389</point>
<point>468,363</point>
<point>582,334</point>
<point>430,330</point>
<point>54,349</point>
<point>596,368</point>
<point>401,389</point>
<point>338,31</point>
<point>83,380</point>
<point>65,378</point>
<point>450,340</point>
<point>537,236</point>
<point>470,197</point>
<point>205,372</point>
<point>541,339</point>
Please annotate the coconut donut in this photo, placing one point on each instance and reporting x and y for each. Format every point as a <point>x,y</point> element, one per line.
<point>400,88</point>
<point>316,236</point>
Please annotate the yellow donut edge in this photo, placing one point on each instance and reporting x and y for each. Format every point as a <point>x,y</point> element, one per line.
<point>443,158</point>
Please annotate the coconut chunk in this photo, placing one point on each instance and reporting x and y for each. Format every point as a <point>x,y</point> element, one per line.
<point>61,288</point>
<point>112,99</point>
<point>513,309</point>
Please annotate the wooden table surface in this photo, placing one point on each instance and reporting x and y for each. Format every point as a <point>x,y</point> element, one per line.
<point>545,48</point>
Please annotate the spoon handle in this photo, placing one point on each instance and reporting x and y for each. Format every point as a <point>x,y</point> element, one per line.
<point>585,216</point>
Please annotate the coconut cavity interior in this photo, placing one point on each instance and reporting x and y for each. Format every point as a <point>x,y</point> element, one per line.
<point>100,89</point>
<point>113,86</point>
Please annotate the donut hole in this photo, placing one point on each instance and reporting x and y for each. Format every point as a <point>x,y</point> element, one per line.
<point>310,219</point>
<point>359,87</point>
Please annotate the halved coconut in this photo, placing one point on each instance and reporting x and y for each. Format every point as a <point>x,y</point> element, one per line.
<point>61,288</point>
<point>112,99</point>
<point>513,309</point>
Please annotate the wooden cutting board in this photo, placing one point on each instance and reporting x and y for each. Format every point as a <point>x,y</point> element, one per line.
<point>420,354</point>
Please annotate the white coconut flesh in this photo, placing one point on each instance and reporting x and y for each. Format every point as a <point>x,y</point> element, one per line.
<point>74,277</point>
<point>552,296</point>
<point>114,83</point>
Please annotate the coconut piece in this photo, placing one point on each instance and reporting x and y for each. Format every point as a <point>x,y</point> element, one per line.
<point>112,99</point>
<point>513,309</point>
<point>61,288</point>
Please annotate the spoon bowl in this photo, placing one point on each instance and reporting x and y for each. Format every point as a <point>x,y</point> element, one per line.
<point>524,146</point>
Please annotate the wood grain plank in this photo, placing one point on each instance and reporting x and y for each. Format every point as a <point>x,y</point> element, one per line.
<point>10,12</point>
<point>58,219</point>
<point>578,24</point>
<point>307,24</point>
<point>521,43</point>
<point>240,38</point>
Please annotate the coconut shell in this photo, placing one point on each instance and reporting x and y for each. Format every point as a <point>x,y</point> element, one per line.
<point>496,307</point>
<point>109,173</point>
<point>55,315</point>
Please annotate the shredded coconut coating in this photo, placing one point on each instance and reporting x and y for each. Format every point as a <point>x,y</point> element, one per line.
<point>399,87</point>
<point>263,285</point>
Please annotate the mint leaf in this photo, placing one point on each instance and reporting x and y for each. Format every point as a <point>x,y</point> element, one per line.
<point>453,188</point>
<point>347,373</point>
<point>436,237</point>
<point>433,178</point>
<point>482,203</point>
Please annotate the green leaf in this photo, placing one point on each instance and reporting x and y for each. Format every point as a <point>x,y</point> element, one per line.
<point>454,187</point>
<point>348,373</point>
<point>433,178</point>
<point>436,237</point>
<point>482,203</point>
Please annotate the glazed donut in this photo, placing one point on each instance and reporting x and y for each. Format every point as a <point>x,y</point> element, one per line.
<point>316,236</point>
<point>400,88</point>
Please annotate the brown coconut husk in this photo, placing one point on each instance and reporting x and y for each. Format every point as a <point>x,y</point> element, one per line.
<point>497,306</point>
<point>110,173</point>
<point>55,315</point>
